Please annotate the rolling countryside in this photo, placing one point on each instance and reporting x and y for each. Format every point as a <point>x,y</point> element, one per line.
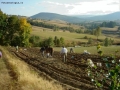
<point>32,57</point>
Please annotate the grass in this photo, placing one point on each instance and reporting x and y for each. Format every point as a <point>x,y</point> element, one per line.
<point>5,79</point>
<point>60,23</point>
<point>110,29</point>
<point>28,77</point>
<point>93,50</point>
<point>78,38</point>
<point>67,35</point>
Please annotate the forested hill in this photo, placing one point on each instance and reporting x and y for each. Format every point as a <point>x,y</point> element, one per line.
<point>76,19</point>
<point>53,16</point>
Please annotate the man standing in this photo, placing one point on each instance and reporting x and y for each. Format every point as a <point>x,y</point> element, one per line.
<point>42,51</point>
<point>16,48</point>
<point>71,50</point>
<point>64,53</point>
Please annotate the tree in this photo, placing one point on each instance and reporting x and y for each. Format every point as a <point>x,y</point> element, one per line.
<point>3,28</point>
<point>106,42</point>
<point>62,42</point>
<point>55,28</point>
<point>58,42</point>
<point>50,41</point>
<point>97,32</point>
<point>55,40</point>
<point>12,28</point>
<point>34,40</point>
<point>90,41</point>
<point>1,13</point>
<point>24,32</point>
<point>110,24</point>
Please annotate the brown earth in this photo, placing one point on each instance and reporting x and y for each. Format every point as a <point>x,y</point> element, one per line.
<point>72,73</point>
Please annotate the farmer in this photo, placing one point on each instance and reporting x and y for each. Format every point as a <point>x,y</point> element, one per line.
<point>71,50</point>
<point>0,54</point>
<point>64,54</point>
<point>42,50</point>
<point>16,48</point>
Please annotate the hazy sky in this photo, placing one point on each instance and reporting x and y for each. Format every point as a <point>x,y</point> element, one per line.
<point>64,7</point>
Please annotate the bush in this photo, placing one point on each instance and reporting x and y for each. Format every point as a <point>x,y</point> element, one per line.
<point>85,37</point>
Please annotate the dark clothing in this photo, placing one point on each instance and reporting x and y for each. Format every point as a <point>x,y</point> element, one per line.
<point>42,50</point>
<point>71,50</point>
<point>50,51</point>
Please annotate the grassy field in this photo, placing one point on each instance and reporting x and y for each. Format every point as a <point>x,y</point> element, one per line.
<point>67,35</point>
<point>60,23</point>
<point>93,50</point>
<point>77,38</point>
<point>110,29</point>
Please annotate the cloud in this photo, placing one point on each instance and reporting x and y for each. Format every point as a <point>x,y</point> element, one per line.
<point>70,7</point>
<point>73,1</point>
<point>60,8</point>
<point>78,7</point>
<point>85,6</point>
<point>90,0</point>
<point>113,3</point>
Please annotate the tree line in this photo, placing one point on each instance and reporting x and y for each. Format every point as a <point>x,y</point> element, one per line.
<point>37,41</point>
<point>93,25</point>
<point>109,24</point>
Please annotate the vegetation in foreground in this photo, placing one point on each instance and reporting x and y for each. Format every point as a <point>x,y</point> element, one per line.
<point>108,76</point>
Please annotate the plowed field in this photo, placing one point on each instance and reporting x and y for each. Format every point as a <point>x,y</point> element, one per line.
<point>72,73</point>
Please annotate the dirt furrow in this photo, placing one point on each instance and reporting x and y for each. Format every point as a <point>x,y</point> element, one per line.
<point>58,74</point>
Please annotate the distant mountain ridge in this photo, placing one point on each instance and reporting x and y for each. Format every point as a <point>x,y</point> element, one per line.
<point>54,16</point>
<point>111,16</point>
<point>76,19</point>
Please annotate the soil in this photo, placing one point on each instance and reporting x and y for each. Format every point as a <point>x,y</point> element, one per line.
<point>72,73</point>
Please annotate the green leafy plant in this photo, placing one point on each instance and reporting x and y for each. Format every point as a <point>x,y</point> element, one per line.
<point>106,76</point>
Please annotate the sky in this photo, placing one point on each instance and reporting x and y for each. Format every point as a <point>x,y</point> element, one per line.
<point>63,7</point>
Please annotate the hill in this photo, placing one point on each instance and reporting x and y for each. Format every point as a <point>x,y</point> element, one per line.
<point>110,17</point>
<point>76,18</point>
<point>54,16</point>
